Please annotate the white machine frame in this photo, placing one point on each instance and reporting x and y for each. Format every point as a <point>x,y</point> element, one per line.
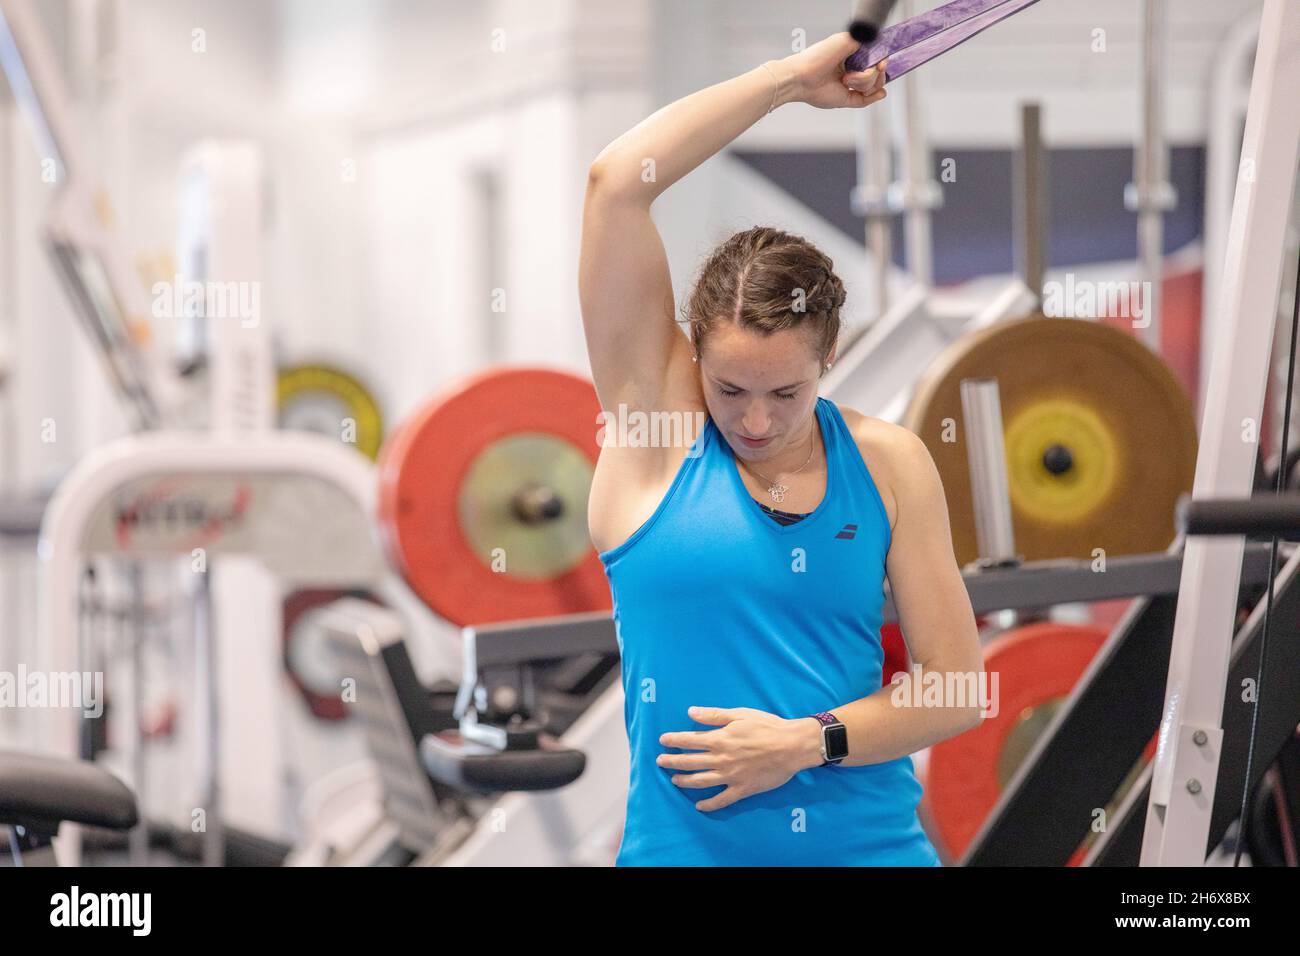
<point>172,456</point>
<point>1191,735</point>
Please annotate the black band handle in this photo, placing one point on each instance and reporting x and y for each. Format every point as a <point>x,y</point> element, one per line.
<point>868,17</point>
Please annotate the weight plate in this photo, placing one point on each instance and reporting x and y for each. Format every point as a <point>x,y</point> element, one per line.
<point>1100,437</point>
<point>894,647</point>
<point>512,469</point>
<point>329,401</point>
<point>308,660</point>
<point>1037,666</point>
<point>483,498</point>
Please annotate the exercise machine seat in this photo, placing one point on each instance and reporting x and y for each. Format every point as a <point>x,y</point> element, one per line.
<point>476,769</point>
<point>44,791</point>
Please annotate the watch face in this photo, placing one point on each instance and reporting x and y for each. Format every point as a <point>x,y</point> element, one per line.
<point>837,741</point>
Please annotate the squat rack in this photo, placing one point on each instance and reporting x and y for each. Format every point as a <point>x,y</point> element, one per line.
<point>1190,743</point>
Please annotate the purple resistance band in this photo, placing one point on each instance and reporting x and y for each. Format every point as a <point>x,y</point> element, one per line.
<point>922,38</point>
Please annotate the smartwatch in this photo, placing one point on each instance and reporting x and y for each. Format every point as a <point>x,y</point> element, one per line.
<point>835,739</point>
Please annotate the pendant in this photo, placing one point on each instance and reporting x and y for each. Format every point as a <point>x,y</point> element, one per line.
<point>777,492</point>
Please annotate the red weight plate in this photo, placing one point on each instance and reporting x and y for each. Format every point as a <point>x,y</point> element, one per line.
<point>896,658</point>
<point>895,648</point>
<point>434,464</point>
<point>310,665</point>
<point>1036,664</point>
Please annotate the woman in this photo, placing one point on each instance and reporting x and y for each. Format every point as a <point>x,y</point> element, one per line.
<point>747,569</point>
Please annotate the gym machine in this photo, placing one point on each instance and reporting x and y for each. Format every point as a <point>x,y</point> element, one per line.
<point>443,753</point>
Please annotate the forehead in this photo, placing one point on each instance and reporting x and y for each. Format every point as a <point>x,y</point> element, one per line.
<point>738,354</point>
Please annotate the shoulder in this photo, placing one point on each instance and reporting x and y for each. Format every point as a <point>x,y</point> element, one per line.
<point>887,450</point>
<point>896,457</point>
<point>898,448</point>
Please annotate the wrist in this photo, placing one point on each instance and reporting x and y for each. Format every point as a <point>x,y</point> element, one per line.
<point>786,80</point>
<point>807,747</point>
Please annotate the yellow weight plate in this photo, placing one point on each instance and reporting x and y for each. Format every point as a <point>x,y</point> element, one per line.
<point>1060,460</point>
<point>1100,437</point>
<point>327,400</point>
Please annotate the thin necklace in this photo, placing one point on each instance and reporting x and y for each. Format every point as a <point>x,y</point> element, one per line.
<point>775,488</point>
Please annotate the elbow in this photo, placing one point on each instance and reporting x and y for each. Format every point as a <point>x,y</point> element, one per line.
<point>600,184</point>
<point>970,691</point>
<point>603,176</point>
<point>608,181</point>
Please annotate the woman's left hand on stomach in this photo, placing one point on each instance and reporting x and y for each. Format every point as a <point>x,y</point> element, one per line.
<point>752,751</point>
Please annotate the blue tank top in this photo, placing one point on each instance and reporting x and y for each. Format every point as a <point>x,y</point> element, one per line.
<point>717,605</point>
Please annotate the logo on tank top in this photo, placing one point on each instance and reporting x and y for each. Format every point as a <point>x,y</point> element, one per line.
<point>848,532</point>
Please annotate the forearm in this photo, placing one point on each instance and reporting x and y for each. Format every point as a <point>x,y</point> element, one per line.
<point>685,133</point>
<point>898,720</point>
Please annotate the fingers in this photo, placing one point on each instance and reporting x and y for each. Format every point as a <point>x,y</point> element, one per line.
<point>698,781</point>
<point>866,99</point>
<point>862,80</point>
<point>866,81</point>
<point>725,799</point>
<point>865,87</point>
<point>704,761</point>
<point>688,739</point>
<point>849,44</point>
<point>712,715</point>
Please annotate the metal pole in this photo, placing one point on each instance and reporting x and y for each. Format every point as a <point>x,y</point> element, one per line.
<point>916,194</point>
<point>136,620</point>
<point>986,452</point>
<point>1030,201</point>
<point>1151,195</point>
<point>869,200</point>
<point>205,658</point>
<point>869,197</point>
<point>1223,155</point>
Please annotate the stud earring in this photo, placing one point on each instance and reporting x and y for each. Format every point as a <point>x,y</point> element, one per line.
<point>695,358</point>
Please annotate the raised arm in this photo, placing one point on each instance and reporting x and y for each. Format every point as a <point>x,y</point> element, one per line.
<point>623,280</point>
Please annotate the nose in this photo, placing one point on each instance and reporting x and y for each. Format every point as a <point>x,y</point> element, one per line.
<point>756,420</point>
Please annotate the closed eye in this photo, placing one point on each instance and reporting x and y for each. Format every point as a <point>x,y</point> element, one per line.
<point>733,394</point>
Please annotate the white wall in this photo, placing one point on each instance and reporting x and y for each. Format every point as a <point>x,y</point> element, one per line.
<point>381,274</point>
<point>1044,52</point>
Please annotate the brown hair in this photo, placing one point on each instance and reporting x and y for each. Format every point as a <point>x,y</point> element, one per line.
<point>753,279</point>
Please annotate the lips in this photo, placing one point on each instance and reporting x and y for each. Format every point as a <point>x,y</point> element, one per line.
<point>753,442</point>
